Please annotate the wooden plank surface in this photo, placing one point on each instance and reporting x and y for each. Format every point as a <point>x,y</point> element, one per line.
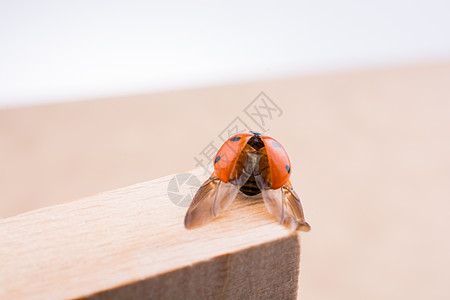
<point>130,243</point>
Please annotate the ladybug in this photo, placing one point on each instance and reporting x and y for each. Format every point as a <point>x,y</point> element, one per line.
<point>254,164</point>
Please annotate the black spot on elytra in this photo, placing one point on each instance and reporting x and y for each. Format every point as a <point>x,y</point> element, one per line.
<point>288,169</point>
<point>217,159</point>
<point>235,138</point>
<point>275,144</point>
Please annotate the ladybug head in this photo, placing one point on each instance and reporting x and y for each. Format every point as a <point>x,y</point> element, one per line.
<point>255,133</point>
<point>255,141</point>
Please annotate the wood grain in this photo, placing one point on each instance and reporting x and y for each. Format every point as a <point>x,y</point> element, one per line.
<point>130,243</point>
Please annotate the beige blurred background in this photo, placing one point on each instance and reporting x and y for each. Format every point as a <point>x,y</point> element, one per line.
<point>369,151</point>
<point>95,96</point>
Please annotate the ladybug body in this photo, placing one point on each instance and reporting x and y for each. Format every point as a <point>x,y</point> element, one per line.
<point>253,164</point>
<point>274,165</point>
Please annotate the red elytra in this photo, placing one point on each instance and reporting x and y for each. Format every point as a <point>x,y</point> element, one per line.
<point>279,164</point>
<point>253,164</point>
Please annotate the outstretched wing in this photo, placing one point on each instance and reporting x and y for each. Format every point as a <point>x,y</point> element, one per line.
<point>284,204</point>
<point>214,196</point>
<point>211,199</point>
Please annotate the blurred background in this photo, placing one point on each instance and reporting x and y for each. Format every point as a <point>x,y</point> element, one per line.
<point>97,95</point>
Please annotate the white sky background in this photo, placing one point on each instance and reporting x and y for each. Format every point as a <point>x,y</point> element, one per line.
<point>53,51</point>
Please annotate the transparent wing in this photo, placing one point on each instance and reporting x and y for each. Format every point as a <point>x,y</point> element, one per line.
<point>214,196</point>
<point>284,204</point>
<point>211,199</point>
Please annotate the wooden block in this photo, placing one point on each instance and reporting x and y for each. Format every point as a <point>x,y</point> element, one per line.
<point>131,243</point>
